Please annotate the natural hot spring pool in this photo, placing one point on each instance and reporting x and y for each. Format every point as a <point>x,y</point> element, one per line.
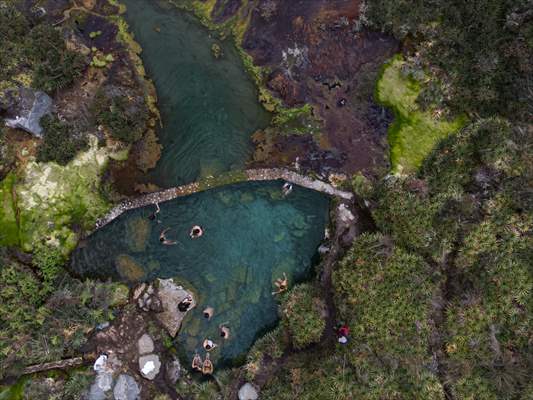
<point>208,106</point>
<point>252,235</point>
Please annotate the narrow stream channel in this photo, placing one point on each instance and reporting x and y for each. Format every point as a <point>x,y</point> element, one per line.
<point>208,106</point>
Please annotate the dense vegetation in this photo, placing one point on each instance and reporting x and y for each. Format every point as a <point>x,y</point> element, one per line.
<point>41,47</point>
<point>45,314</point>
<point>124,117</point>
<point>479,51</point>
<point>59,142</point>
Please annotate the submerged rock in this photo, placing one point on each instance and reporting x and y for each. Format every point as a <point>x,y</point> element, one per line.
<point>25,107</point>
<point>126,388</point>
<point>128,268</point>
<point>248,392</point>
<point>149,366</point>
<point>137,234</point>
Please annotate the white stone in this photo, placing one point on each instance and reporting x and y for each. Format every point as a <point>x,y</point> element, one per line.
<point>248,392</point>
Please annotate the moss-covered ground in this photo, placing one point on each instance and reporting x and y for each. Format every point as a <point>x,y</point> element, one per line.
<point>9,234</point>
<point>414,132</point>
<point>54,202</point>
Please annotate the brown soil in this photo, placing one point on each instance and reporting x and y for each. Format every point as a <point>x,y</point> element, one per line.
<point>335,72</point>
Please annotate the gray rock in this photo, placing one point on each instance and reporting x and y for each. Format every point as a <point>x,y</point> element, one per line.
<point>126,388</point>
<point>248,392</point>
<point>149,366</point>
<point>145,344</point>
<point>95,393</point>
<point>171,295</point>
<point>173,372</point>
<point>25,108</point>
<point>345,214</point>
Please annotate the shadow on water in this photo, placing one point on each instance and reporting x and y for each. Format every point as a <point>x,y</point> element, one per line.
<point>208,106</point>
<point>252,235</point>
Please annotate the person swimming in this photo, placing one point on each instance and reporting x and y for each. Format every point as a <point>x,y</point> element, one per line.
<point>287,188</point>
<point>197,362</point>
<point>196,232</point>
<point>281,284</point>
<point>224,331</point>
<point>153,216</point>
<point>163,238</point>
<point>207,367</point>
<point>185,304</point>
<point>209,345</point>
<point>208,312</point>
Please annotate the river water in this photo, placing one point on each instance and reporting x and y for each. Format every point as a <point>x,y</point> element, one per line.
<point>208,106</point>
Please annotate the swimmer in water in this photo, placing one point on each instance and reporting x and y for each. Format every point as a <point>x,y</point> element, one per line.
<point>207,367</point>
<point>287,188</point>
<point>224,331</point>
<point>153,216</point>
<point>281,284</point>
<point>163,238</point>
<point>208,312</point>
<point>197,362</point>
<point>209,345</point>
<point>196,232</point>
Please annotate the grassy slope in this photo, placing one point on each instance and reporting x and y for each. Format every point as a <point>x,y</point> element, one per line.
<point>414,132</point>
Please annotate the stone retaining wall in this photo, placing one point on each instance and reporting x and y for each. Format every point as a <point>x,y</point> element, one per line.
<point>271,174</point>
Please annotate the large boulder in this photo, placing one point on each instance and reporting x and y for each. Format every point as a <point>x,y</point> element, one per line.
<point>24,108</point>
<point>248,392</point>
<point>149,366</point>
<point>126,388</point>
<point>171,295</point>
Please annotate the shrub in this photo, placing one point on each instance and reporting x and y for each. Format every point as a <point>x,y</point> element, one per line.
<point>59,144</point>
<point>126,119</point>
<point>303,315</point>
<point>54,66</point>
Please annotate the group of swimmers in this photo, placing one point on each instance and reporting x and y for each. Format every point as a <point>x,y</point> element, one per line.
<point>206,366</point>
<point>195,232</point>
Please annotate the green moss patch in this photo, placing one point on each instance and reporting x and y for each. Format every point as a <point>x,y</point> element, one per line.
<point>415,132</point>
<point>9,234</point>
<point>56,201</point>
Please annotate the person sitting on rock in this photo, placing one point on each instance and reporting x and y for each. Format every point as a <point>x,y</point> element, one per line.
<point>207,367</point>
<point>224,331</point>
<point>196,232</point>
<point>281,284</point>
<point>153,216</point>
<point>197,362</point>
<point>185,304</point>
<point>208,312</point>
<point>163,238</point>
<point>209,345</point>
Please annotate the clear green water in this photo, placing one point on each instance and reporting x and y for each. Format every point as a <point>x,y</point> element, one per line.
<point>252,235</point>
<point>209,107</point>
